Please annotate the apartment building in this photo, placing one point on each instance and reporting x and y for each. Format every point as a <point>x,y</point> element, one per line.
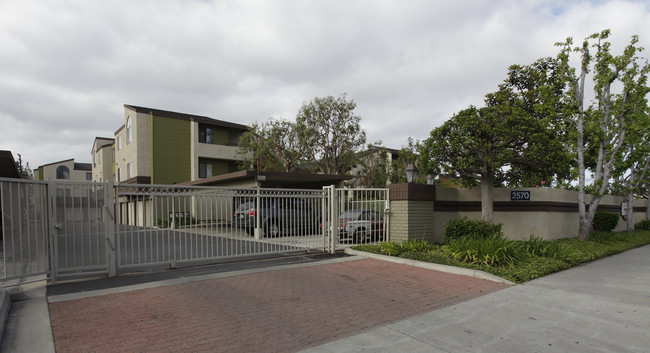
<point>64,170</point>
<point>102,156</point>
<point>156,146</point>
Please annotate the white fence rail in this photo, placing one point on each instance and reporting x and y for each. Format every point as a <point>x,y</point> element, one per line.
<point>25,229</point>
<point>68,229</point>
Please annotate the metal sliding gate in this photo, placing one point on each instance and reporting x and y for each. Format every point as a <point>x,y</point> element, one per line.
<point>78,229</point>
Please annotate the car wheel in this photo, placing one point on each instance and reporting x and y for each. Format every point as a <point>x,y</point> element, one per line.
<point>360,235</point>
<point>272,230</point>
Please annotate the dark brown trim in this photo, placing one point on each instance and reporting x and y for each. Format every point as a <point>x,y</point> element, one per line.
<point>411,192</point>
<point>521,206</point>
<point>8,167</point>
<point>188,117</point>
<point>137,180</point>
<point>271,178</point>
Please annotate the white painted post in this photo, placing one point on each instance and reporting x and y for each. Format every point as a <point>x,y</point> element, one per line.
<point>110,228</point>
<point>51,204</point>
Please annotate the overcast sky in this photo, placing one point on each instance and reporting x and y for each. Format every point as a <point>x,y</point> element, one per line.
<point>67,67</point>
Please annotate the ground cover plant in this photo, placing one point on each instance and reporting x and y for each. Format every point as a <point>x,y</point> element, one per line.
<point>515,260</point>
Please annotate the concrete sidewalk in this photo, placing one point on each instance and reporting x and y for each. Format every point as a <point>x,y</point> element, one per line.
<point>603,306</point>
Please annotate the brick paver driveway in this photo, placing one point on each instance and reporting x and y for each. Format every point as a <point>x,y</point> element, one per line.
<point>283,310</point>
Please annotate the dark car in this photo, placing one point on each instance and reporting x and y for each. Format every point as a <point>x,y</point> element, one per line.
<point>279,216</point>
<point>361,225</point>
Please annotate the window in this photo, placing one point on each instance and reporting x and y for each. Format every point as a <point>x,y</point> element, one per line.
<point>128,130</point>
<point>89,176</point>
<point>119,142</point>
<point>94,164</point>
<point>62,172</point>
<point>205,170</point>
<point>129,170</point>
<point>119,174</point>
<point>206,134</point>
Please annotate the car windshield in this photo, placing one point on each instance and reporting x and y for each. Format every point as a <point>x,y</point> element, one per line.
<point>351,214</point>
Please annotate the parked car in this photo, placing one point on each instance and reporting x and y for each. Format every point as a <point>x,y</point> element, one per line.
<point>278,216</point>
<point>361,225</point>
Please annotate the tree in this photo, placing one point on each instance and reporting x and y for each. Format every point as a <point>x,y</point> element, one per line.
<point>632,165</point>
<point>477,144</point>
<point>372,170</point>
<point>538,89</point>
<point>602,126</point>
<point>271,146</point>
<point>331,134</point>
<point>24,171</point>
<point>516,139</point>
<point>408,154</point>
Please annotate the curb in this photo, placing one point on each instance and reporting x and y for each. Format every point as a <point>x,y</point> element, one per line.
<point>433,266</point>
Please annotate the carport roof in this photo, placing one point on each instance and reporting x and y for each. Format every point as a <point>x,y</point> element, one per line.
<point>273,179</point>
<point>8,167</point>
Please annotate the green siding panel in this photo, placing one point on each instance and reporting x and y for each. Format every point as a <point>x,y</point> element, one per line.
<point>220,136</point>
<point>170,151</point>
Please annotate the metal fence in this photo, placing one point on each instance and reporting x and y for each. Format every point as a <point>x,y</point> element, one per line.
<point>24,224</point>
<point>169,225</point>
<point>356,216</point>
<point>71,229</point>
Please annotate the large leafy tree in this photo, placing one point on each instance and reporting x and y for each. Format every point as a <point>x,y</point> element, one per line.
<point>537,89</point>
<point>271,146</point>
<point>477,145</point>
<point>326,138</point>
<point>632,166</point>
<point>601,126</point>
<point>515,139</point>
<point>331,133</point>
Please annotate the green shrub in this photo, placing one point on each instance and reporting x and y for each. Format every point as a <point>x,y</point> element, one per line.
<point>463,227</point>
<point>391,248</point>
<point>544,248</point>
<point>529,268</point>
<point>643,225</point>
<point>605,221</point>
<point>417,245</point>
<point>493,251</point>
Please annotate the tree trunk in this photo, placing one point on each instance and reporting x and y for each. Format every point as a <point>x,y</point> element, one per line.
<point>629,224</point>
<point>487,204</point>
<point>585,229</point>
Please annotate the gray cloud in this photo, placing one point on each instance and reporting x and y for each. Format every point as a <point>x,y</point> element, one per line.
<point>67,67</point>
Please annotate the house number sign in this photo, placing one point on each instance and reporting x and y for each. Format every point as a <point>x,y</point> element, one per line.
<point>520,195</point>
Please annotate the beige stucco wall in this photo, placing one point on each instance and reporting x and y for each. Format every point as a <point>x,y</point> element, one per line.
<point>138,151</point>
<point>49,171</point>
<point>418,219</point>
<point>522,224</point>
<point>102,160</point>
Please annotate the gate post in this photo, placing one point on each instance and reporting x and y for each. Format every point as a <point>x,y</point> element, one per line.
<point>109,221</point>
<point>52,229</point>
<point>332,211</point>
